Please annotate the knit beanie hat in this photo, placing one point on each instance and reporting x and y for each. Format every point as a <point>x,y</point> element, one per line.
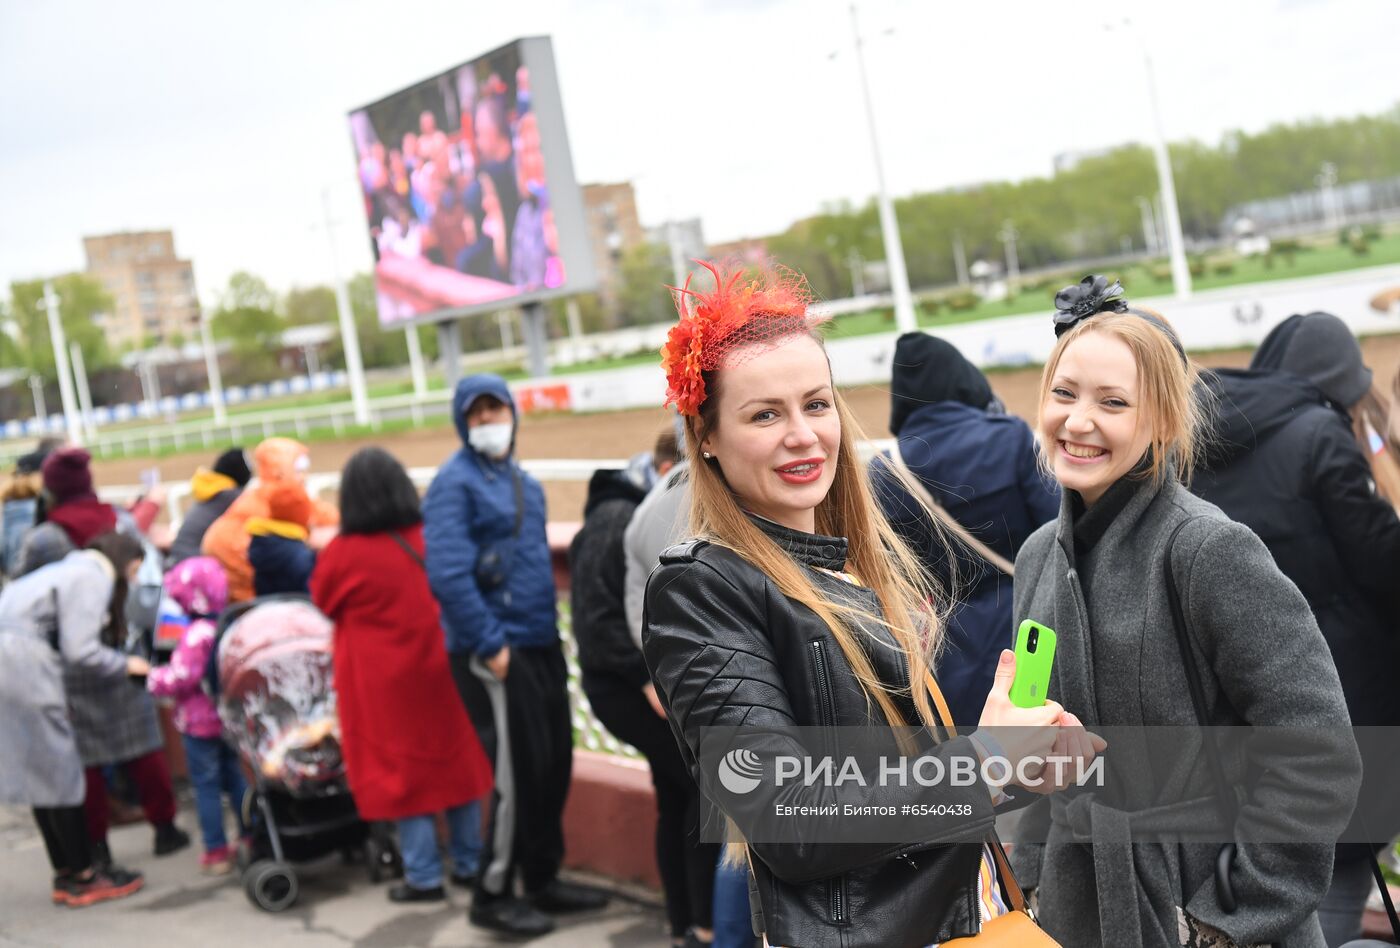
<point>288,502</point>
<point>233,464</point>
<point>1323,351</point>
<point>68,474</point>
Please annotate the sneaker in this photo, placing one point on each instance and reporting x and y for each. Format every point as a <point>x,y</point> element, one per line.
<point>101,887</point>
<point>217,861</point>
<point>403,892</point>
<point>559,897</point>
<point>510,917</point>
<point>170,839</point>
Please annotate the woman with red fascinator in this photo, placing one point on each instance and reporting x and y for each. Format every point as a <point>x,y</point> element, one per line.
<point>798,605</point>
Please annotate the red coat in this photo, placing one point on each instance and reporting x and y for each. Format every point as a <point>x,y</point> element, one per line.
<point>410,748</point>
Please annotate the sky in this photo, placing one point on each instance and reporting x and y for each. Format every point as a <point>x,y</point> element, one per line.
<point>227,122</point>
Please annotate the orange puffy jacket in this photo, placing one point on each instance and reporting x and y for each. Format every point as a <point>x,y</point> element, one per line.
<point>276,460</point>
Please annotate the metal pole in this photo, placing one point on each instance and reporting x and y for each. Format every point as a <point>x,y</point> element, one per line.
<point>350,338</point>
<point>84,393</point>
<point>960,259</point>
<point>507,333</point>
<point>36,386</point>
<point>211,369</point>
<point>679,271</point>
<point>575,321</point>
<point>60,362</point>
<point>889,226</point>
<point>1013,263</point>
<point>415,362</point>
<point>1149,225</point>
<point>857,265</point>
<point>450,349</point>
<point>536,340</point>
<point>1176,242</point>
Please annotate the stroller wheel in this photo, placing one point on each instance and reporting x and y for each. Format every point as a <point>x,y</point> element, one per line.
<point>271,886</point>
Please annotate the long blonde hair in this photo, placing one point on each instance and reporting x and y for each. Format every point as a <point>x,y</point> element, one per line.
<point>1375,414</point>
<point>1169,398</point>
<point>875,553</point>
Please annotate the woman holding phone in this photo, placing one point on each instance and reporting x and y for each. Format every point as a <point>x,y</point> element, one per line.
<point>1118,425</point>
<point>798,605</point>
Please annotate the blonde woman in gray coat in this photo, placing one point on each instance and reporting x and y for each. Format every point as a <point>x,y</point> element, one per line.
<point>1117,422</point>
<point>51,619</point>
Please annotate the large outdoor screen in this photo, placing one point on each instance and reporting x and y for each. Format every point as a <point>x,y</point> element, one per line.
<point>469,190</point>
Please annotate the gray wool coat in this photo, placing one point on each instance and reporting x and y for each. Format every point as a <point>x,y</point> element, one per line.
<point>1262,661</point>
<point>49,620</point>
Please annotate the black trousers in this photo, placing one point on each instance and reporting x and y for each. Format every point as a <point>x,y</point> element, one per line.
<point>525,727</point>
<point>687,866</point>
<point>65,837</point>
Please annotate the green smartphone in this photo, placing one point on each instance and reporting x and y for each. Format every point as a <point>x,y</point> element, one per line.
<point>1035,656</point>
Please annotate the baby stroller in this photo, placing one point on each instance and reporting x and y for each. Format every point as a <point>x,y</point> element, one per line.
<point>278,708</point>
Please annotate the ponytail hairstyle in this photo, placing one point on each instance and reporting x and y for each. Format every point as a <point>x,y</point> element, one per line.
<point>121,550</point>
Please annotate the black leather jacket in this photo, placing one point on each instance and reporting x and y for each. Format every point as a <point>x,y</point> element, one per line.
<point>725,647</point>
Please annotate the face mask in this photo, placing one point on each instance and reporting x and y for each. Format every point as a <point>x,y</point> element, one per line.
<point>491,440</point>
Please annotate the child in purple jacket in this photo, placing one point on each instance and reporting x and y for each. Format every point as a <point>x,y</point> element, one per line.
<point>201,589</point>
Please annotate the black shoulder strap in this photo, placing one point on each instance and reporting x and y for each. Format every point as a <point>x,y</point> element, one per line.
<point>407,548</point>
<point>1224,795</point>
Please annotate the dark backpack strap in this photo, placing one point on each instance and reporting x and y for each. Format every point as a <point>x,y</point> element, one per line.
<point>1226,796</point>
<point>408,548</point>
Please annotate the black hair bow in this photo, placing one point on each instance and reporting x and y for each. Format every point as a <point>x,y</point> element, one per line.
<point>1093,294</point>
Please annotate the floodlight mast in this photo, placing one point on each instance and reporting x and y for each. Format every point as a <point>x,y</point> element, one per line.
<point>350,338</point>
<point>889,225</point>
<point>60,363</point>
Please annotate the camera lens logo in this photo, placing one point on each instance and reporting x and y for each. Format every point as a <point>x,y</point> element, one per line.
<point>739,771</point>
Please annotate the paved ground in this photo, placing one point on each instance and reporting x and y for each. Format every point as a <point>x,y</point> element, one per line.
<point>179,907</point>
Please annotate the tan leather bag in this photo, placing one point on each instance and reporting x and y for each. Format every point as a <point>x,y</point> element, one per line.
<point>1015,929</point>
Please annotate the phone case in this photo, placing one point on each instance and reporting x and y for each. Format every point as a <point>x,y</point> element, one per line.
<point>1032,679</point>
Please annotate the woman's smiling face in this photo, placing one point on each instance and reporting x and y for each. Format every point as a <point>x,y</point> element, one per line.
<point>776,434</point>
<point>1092,424</point>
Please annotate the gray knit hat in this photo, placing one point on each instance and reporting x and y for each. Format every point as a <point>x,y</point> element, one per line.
<point>1324,352</point>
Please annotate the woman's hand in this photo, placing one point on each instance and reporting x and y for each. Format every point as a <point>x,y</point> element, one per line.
<point>1020,733</point>
<point>1043,732</point>
<point>137,667</point>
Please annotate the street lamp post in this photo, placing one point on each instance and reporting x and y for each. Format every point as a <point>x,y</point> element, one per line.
<point>36,388</point>
<point>1149,225</point>
<point>60,363</point>
<point>889,225</point>
<point>211,368</point>
<point>1013,264</point>
<point>1171,213</point>
<point>349,336</point>
<point>1326,180</point>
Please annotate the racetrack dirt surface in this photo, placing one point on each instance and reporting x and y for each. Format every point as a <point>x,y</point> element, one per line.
<point>623,433</point>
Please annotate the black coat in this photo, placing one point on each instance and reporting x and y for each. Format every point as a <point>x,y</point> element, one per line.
<point>726,648</point>
<point>597,567</point>
<point>1283,462</point>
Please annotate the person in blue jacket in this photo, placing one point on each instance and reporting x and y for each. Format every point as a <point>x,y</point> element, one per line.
<point>979,463</point>
<point>489,566</point>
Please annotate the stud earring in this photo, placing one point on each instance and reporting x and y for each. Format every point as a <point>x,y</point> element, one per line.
<point>706,455</point>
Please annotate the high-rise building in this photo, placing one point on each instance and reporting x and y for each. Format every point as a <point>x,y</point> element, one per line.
<point>152,289</point>
<point>613,228</point>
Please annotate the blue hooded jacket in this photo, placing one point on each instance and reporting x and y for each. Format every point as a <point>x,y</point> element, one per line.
<point>980,465</point>
<point>495,586</point>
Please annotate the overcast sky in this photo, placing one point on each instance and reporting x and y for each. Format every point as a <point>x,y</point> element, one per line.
<point>226,122</point>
